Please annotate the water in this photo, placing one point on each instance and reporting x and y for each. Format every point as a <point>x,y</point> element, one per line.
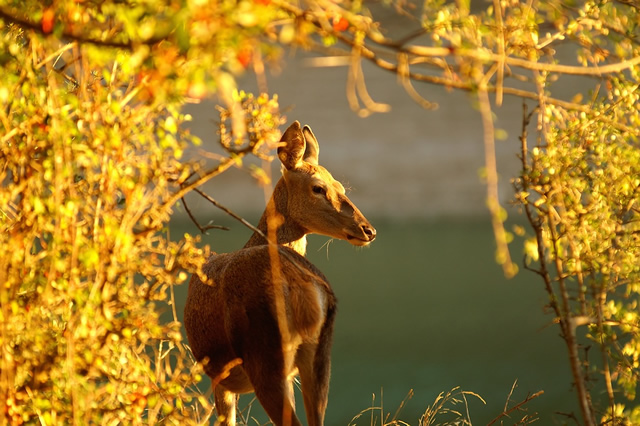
<point>425,308</point>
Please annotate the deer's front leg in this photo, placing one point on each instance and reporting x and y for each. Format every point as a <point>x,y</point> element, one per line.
<point>225,406</point>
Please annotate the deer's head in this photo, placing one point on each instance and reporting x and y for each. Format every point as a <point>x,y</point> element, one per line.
<point>316,201</point>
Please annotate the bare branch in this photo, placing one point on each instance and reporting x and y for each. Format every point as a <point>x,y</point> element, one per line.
<point>202,229</point>
<point>403,73</point>
<point>531,216</point>
<point>357,89</point>
<point>230,212</point>
<point>457,84</point>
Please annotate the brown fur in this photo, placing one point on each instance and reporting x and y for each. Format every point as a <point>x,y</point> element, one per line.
<point>265,313</point>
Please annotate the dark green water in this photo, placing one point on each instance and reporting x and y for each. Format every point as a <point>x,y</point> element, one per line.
<point>425,307</point>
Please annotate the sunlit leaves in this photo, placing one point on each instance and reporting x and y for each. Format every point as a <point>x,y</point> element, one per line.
<point>89,160</point>
<point>92,158</point>
<point>581,189</point>
<point>91,163</point>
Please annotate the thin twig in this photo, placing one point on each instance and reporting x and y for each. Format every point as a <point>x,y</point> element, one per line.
<point>497,6</point>
<point>205,177</point>
<point>516,407</point>
<point>239,218</point>
<point>230,212</point>
<point>531,216</point>
<point>202,229</point>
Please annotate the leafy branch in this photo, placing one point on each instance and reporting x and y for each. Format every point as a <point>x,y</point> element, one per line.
<point>66,34</point>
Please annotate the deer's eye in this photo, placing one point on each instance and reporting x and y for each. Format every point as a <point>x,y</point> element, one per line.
<point>319,190</point>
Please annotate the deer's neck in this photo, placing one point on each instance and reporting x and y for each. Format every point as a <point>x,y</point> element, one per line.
<point>276,224</point>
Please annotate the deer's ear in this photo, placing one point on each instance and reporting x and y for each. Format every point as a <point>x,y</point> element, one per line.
<point>312,150</point>
<point>292,151</point>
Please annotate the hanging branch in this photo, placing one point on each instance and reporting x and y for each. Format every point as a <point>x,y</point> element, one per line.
<point>493,199</point>
<point>482,56</point>
<point>404,74</point>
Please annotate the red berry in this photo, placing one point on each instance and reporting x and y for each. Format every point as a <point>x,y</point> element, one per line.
<point>48,18</point>
<point>244,56</point>
<point>340,23</point>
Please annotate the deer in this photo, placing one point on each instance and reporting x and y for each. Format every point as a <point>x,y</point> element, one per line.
<point>258,317</point>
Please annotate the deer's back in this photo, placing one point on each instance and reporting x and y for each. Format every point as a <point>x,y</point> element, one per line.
<point>238,302</point>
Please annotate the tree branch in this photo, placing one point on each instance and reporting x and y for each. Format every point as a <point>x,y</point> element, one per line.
<point>202,229</point>
<point>477,54</point>
<point>37,27</point>
<point>481,55</point>
<point>230,212</point>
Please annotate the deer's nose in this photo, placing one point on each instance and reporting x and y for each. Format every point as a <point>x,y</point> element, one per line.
<point>369,231</point>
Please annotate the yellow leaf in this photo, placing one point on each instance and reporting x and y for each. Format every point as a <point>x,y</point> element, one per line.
<point>287,33</point>
<point>531,249</point>
<point>501,134</point>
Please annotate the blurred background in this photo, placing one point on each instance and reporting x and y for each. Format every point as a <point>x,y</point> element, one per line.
<point>425,308</point>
